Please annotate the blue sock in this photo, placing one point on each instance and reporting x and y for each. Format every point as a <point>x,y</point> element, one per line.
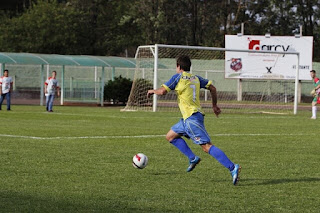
<point>221,157</point>
<point>183,147</point>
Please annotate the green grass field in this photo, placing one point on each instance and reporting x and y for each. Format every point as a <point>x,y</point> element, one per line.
<point>78,159</point>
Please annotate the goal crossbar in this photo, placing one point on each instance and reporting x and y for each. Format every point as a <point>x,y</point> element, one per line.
<point>214,48</point>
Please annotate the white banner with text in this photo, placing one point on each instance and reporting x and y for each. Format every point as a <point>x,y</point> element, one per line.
<point>268,65</point>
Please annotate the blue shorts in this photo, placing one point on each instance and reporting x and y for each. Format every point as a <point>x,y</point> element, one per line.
<point>193,127</point>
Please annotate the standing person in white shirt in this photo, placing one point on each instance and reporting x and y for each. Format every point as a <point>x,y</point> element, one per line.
<point>6,88</point>
<point>50,87</point>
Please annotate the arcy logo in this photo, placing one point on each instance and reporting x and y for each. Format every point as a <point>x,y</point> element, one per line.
<point>255,45</point>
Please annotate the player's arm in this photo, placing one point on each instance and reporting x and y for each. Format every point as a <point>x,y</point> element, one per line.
<point>46,87</point>
<point>213,92</point>
<point>317,83</point>
<point>58,88</point>
<point>160,91</point>
<point>11,86</point>
<point>166,87</point>
<point>205,83</point>
<point>58,91</point>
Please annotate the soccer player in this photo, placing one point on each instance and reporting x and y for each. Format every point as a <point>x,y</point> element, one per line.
<point>50,87</point>
<point>187,87</point>
<point>316,93</point>
<point>6,89</point>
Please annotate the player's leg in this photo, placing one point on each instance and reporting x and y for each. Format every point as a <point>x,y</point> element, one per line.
<point>176,140</point>
<point>174,137</point>
<point>51,102</point>
<point>1,99</point>
<point>222,158</point>
<point>314,108</point>
<point>218,154</point>
<point>47,102</point>
<point>8,97</point>
<point>198,133</point>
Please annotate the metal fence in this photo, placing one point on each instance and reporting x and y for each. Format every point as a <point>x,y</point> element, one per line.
<point>85,84</point>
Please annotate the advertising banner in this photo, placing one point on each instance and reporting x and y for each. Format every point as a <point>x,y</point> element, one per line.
<point>247,65</point>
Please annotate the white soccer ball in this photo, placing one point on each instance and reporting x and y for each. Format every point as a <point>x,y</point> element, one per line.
<point>140,161</point>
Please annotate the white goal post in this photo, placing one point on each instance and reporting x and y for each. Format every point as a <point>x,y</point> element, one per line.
<point>155,64</point>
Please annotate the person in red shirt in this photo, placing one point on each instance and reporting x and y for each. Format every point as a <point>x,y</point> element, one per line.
<point>50,87</point>
<point>6,89</point>
<point>316,93</point>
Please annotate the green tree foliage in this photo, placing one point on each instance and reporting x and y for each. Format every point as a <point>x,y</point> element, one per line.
<point>111,26</point>
<point>47,27</point>
<point>117,27</point>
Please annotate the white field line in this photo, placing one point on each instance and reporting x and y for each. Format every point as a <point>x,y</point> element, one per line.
<point>221,117</point>
<point>140,136</point>
<point>82,137</point>
<point>263,134</point>
<point>101,115</point>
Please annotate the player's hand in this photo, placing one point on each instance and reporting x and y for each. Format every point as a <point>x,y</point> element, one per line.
<point>150,92</point>
<point>313,92</point>
<point>216,110</point>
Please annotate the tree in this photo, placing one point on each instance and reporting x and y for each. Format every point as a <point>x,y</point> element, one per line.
<point>117,27</point>
<point>47,27</point>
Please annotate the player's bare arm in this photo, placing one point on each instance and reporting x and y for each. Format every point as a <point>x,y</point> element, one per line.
<point>160,91</point>
<point>213,92</point>
<point>11,86</point>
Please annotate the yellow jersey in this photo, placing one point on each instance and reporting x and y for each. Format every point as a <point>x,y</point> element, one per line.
<point>187,87</point>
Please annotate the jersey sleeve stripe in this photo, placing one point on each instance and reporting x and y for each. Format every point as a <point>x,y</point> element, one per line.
<point>166,87</point>
<point>174,82</point>
<point>208,84</point>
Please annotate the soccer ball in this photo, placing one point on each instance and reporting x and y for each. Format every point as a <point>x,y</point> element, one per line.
<point>140,161</point>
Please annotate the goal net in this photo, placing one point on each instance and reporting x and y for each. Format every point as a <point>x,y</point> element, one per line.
<point>155,64</point>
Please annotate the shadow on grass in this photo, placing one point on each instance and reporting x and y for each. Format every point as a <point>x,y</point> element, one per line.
<point>166,173</point>
<point>22,202</point>
<point>251,182</point>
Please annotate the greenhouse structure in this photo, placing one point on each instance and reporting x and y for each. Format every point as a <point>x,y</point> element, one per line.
<point>81,77</point>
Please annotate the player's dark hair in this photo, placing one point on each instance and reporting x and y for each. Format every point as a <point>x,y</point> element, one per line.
<point>184,62</point>
<point>54,71</point>
<point>313,71</point>
<point>5,70</point>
